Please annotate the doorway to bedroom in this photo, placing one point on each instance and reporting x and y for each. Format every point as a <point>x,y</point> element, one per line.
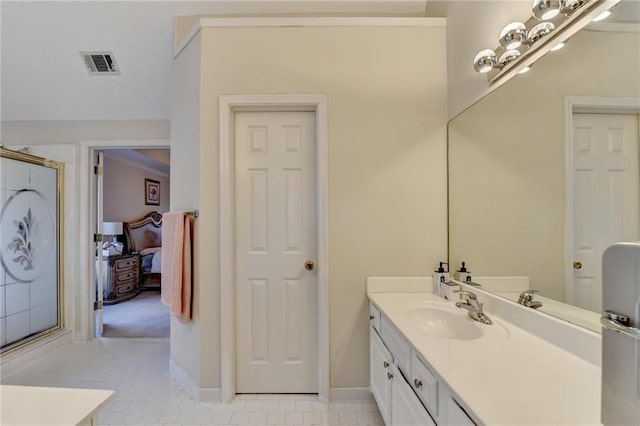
<point>132,193</point>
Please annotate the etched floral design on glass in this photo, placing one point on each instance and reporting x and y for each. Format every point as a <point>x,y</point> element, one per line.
<point>28,236</point>
<point>22,241</point>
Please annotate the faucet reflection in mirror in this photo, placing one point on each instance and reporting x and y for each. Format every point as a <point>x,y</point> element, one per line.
<point>526,299</point>
<point>516,38</point>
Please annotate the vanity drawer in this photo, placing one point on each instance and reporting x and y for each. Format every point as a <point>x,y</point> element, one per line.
<point>456,416</point>
<point>374,317</point>
<point>397,344</point>
<point>425,384</point>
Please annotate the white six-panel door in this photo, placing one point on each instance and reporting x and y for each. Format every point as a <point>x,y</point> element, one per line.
<point>276,296</point>
<point>606,201</point>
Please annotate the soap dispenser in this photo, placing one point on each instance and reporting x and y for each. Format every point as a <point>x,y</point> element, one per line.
<point>440,276</point>
<point>463,274</point>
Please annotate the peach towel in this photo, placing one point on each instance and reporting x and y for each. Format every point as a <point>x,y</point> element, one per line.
<point>175,283</point>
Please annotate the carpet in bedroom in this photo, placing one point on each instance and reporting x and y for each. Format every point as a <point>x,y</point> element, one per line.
<point>142,316</point>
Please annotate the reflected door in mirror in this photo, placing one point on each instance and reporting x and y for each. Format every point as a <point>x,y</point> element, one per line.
<point>606,200</point>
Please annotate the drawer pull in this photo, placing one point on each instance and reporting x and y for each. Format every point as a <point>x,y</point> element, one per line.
<point>417,383</point>
<point>385,364</point>
<point>371,317</point>
<point>389,376</point>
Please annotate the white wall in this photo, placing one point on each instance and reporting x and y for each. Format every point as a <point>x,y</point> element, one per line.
<point>124,191</point>
<point>194,343</point>
<point>386,89</point>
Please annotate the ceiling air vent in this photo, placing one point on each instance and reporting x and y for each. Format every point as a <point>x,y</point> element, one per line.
<point>100,63</point>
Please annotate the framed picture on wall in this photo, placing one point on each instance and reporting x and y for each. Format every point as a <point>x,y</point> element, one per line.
<point>151,192</point>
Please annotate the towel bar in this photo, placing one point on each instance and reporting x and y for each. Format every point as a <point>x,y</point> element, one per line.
<point>194,213</point>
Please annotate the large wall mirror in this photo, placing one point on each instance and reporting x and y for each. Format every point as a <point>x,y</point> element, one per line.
<point>543,172</point>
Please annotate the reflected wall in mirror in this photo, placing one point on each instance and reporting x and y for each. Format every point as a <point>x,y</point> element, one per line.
<point>528,197</point>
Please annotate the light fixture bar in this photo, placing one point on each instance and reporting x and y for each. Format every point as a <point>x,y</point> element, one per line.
<point>543,35</point>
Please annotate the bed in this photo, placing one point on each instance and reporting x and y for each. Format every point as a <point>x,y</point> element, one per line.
<point>144,236</point>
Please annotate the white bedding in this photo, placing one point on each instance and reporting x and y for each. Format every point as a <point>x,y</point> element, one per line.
<point>156,262</point>
<point>156,259</point>
<point>150,250</point>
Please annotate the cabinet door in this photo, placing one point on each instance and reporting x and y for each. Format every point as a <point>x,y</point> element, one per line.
<point>407,410</point>
<point>425,385</point>
<point>380,379</point>
<point>456,416</point>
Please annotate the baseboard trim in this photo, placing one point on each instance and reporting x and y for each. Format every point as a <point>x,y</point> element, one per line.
<point>191,387</point>
<point>350,395</point>
<point>210,395</point>
<point>21,357</point>
<point>185,380</point>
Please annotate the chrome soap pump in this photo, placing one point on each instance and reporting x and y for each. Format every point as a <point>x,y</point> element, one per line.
<point>440,276</point>
<point>463,274</point>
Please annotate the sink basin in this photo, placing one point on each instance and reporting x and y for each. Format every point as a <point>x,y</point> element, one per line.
<point>445,324</point>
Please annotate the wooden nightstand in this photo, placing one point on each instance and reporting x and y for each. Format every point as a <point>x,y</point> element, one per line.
<point>122,278</point>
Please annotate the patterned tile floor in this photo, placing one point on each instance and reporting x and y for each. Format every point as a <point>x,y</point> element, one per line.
<point>146,394</point>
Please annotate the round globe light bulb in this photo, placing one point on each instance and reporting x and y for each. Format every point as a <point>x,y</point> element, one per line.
<point>546,9</point>
<point>550,14</point>
<point>484,61</point>
<point>513,35</point>
<point>508,56</point>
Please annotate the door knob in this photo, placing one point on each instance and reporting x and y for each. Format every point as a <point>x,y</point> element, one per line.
<point>309,265</point>
<point>577,265</point>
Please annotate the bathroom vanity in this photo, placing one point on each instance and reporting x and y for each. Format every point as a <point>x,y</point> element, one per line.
<point>432,364</point>
<point>34,405</point>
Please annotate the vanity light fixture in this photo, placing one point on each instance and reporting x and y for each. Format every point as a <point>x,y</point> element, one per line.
<point>484,61</point>
<point>546,9</point>
<point>570,6</point>
<point>519,41</point>
<point>508,56</point>
<point>513,35</point>
<point>539,31</point>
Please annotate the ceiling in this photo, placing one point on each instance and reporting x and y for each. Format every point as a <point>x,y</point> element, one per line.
<point>153,160</point>
<point>44,78</point>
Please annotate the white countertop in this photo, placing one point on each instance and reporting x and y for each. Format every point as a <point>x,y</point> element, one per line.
<point>508,376</point>
<point>32,405</point>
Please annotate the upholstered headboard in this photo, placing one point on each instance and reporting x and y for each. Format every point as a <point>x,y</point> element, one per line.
<point>145,232</point>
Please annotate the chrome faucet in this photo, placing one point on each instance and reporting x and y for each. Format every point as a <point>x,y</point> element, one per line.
<point>526,299</point>
<point>473,305</point>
